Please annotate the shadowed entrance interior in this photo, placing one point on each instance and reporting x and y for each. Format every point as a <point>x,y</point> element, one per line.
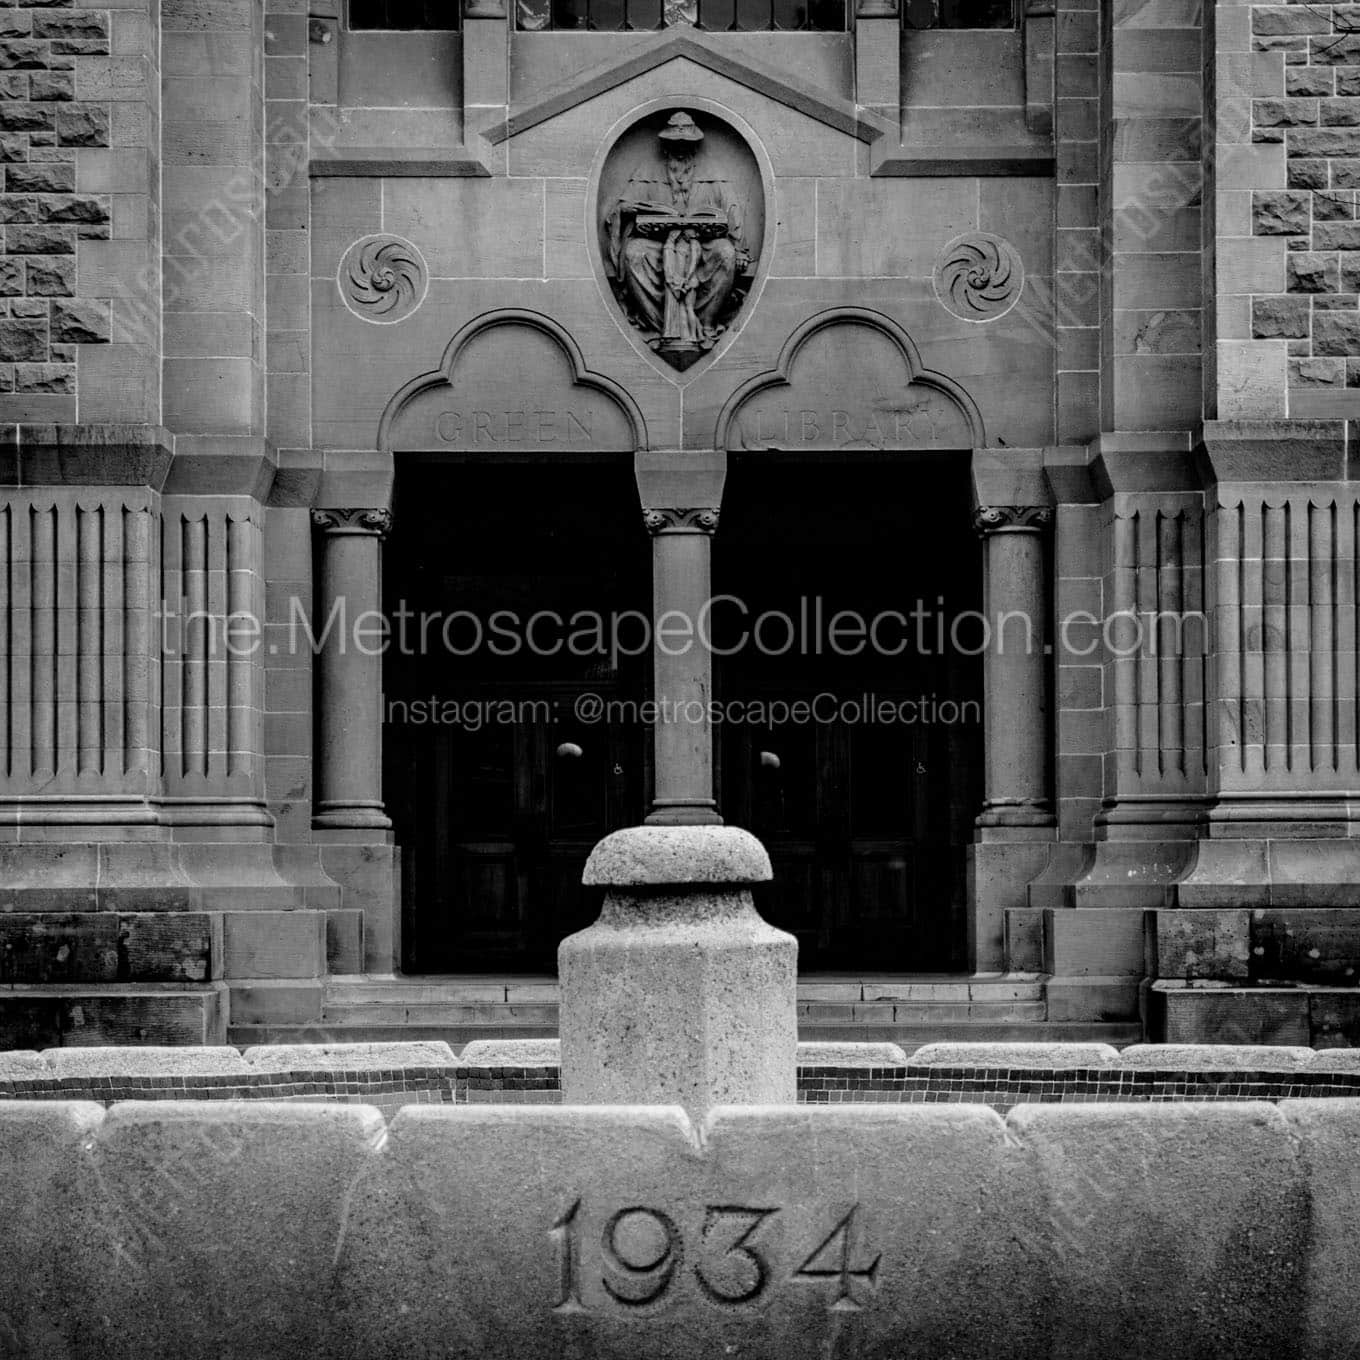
<point>866,814</point>
<point>497,784</point>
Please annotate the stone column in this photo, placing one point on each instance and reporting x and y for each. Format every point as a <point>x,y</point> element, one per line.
<point>681,586</point>
<point>349,752</point>
<point>1015,668</point>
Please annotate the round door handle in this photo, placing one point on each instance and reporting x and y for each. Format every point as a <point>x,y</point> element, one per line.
<point>569,750</point>
<point>769,760</point>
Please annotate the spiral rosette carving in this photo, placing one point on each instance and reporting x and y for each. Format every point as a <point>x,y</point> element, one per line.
<point>383,278</point>
<point>979,277</point>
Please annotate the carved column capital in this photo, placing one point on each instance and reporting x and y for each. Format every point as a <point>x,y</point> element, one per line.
<point>876,9</point>
<point>361,520</point>
<point>484,9</point>
<point>695,520</point>
<point>1012,519</point>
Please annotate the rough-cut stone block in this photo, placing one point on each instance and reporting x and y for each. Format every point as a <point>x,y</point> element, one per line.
<point>1283,213</point>
<point>40,240</point>
<point>52,276</point>
<point>224,1220</point>
<point>41,178</point>
<point>1336,333</point>
<point>56,377</point>
<point>1221,1183</point>
<point>50,1250</point>
<point>20,54</point>
<point>1308,273</point>
<point>614,1232</point>
<point>52,85</point>
<point>83,125</point>
<point>1273,318</point>
<point>80,323</point>
<point>23,341</point>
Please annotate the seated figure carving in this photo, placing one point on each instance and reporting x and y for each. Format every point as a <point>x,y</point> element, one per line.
<point>676,247</point>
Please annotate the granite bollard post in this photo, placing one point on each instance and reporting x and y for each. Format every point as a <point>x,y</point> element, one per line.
<point>679,994</point>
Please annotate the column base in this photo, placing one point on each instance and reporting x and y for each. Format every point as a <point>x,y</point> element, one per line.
<point>1151,817</point>
<point>335,814</point>
<point>1280,816</point>
<point>1017,812</point>
<point>683,812</point>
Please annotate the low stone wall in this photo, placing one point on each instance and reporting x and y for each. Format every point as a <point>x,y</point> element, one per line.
<point>257,1229</point>
<point>526,1072</point>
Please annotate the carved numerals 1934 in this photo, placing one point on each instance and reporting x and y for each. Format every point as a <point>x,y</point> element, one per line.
<point>643,1252</point>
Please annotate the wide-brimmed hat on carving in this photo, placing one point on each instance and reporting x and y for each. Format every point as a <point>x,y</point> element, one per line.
<point>680,127</point>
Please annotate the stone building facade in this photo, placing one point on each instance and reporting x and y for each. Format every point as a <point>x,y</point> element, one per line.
<point>1045,311</point>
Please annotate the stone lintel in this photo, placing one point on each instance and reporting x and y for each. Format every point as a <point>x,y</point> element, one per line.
<point>661,856</point>
<point>1273,450</point>
<point>85,455</point>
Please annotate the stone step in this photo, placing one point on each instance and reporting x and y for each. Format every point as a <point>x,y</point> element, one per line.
<point>63,1015</point>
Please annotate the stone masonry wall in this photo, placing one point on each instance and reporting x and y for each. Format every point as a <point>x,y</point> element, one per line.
<point>253,1228</point>
<point>78,92</point>
<point>1314,120</point>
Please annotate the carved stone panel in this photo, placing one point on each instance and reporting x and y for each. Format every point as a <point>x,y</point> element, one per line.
<point>512,382</point>
<point>850,380</point>
<point>383,278</point>
<point>681,219</point>
<point>979,277</point>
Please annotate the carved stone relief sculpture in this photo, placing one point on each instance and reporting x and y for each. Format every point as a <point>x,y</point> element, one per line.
<point>678,235</point>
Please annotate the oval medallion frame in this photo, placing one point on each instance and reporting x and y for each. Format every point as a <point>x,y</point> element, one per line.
<point>624,146</point>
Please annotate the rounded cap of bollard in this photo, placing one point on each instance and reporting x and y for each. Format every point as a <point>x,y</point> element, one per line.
<point>642,856</point>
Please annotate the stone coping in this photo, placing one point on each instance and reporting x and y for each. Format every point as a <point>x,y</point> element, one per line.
<point>262,1064</point>
<point>276,1231</point>
<point>349,1057</point>
<point>547,1053</point>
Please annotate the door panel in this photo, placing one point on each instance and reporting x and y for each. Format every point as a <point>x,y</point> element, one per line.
<point>497,813</point>
<point>866,822</point>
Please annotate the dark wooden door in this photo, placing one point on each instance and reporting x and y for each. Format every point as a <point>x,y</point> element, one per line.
<point>866,814</point>
<point>499,800</point>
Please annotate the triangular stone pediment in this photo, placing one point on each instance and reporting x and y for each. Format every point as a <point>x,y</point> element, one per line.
<point>840,114</point>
